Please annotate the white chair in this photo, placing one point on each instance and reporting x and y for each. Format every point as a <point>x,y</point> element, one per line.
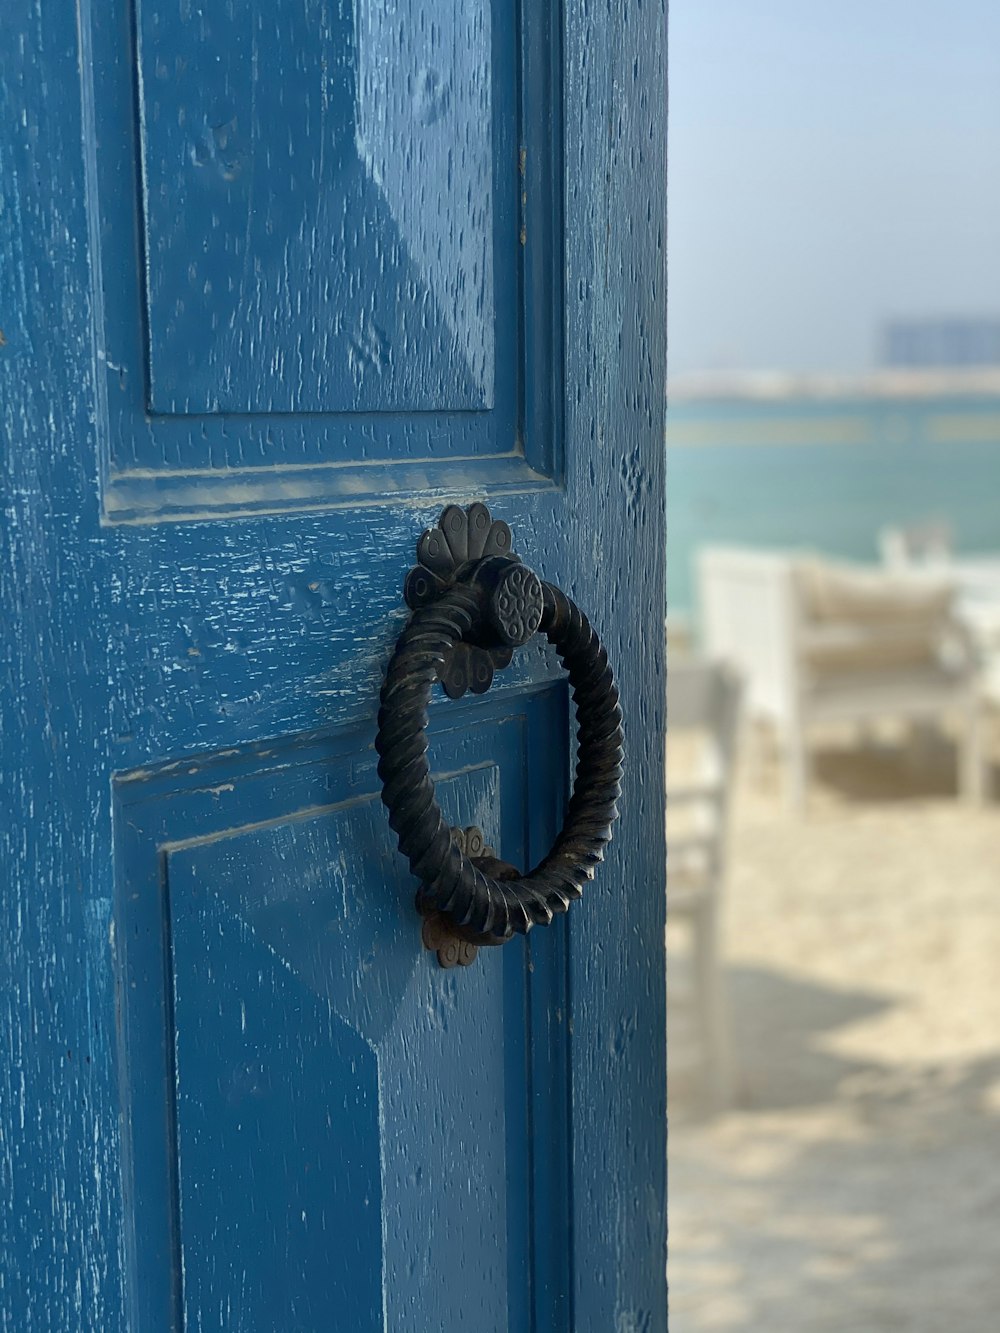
<point>928,546</point>
<point>819,642</point>
<point>923,545</point>
<point>702,712</point>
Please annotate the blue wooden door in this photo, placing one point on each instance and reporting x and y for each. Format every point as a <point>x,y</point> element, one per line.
<point>278,281</point>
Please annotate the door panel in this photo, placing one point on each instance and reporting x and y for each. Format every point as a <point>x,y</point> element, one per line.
<point>334,300</point>
<point>318,218</point>
<point>276,1003</point>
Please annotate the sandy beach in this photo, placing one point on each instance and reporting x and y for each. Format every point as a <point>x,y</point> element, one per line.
<point>854,1185</point>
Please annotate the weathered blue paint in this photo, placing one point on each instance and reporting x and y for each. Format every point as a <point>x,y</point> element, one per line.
<point>238,1095</point>
<point>292,156</point>
<point>300,254</point>
<point>307,1151</point>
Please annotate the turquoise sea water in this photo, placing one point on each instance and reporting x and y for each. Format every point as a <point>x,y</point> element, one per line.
<point>827,474</point>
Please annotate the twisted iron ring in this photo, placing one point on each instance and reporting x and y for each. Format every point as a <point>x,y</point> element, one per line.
<point>497,603</point>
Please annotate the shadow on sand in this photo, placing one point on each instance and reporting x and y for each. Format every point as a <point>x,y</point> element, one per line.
<point>837,1194</point>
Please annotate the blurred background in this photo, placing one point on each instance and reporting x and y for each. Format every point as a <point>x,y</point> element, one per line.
<point>833,450</point>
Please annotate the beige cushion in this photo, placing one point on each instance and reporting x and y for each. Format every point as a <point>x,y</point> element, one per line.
<point>858,620</point>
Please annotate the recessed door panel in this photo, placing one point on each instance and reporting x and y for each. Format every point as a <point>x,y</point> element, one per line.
<point>277,1099</point>
<point>319,218</point>
<point>278,991</point>
<point>345,216</point>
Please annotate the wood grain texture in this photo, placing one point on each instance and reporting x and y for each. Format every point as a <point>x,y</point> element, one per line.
<point>61,1222</point>
<point>314,1046</point>
<point>353,272</point>
<point>165,646</point>
<point>613,534</point>
<point>262,287</point>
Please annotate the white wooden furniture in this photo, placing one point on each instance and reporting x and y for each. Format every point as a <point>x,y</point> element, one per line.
<point>702,711</point>
<point>925,545</point>
<point>819,642</point>
<point>976,579</point>
<point>977,585</point>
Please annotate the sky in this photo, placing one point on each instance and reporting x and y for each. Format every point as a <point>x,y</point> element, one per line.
<point>831,165</point>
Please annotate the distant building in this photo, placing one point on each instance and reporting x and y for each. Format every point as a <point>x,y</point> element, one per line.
<point>926,344</point>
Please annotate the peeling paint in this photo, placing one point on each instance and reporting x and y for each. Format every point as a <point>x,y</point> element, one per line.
<point>203,599</point>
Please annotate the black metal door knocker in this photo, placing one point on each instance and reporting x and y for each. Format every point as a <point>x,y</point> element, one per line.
<point>472,603</point>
